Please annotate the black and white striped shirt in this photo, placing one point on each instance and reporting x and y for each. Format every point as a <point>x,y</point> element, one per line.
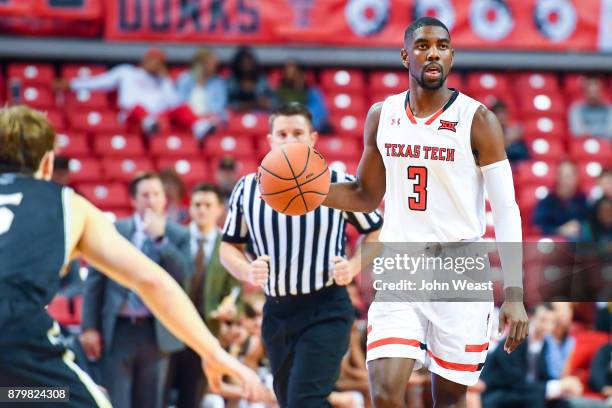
<point>301,247</point>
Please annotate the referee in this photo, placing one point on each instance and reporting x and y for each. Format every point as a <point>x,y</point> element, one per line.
<point>300,264</point>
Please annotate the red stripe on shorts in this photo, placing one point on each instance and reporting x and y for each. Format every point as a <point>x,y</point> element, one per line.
<point>475,348</point>
<point>369,329</point>
<point>393,340</point>
<point>453,366</point>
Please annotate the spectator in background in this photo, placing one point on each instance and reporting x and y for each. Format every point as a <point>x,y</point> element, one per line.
<point>175,194</point>
<point>593,115</point>
<point>600,379</point>
<point>147,96</point>
<point>203,90</point>
<point>61,170</point>
<point>118,328</point>
<point>226,176</point>
<point>248,88</point>
<point>559,342</point>
<point>293,88</point>
<point>516,149</point>
<point>562,211</point>
<point>604,185</point>
<point>522,379</point>
<point>212,290</point>
<point>598,227</point>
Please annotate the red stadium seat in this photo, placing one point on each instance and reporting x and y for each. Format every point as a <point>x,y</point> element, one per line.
<point>118,145</point>
<point>86,100</point>
<point>191,170</point>
<point>537,173</point>
<point>174,145</point>
<point>274,77</point>
<point>337,148</point>
<point>342,80</point>
<point>85,169</point>
<point>244,167</point>
<point>38,97</point>
<point>454,80</point>
<point>176,71</point>
<point>97,121</point>
<point>248,123</point>
<point>536,82</point>
<point>72,144</point>
<point>591,148</point>
<point>40,74</point>
<point>125,169</point>
<point>105,195</point>
<point>56,119</point>
<point>544,127</point>
<point>348,125</point>
<point>71,71</point>
<point>390,82</point>
<point>546,149</point>
<point>539,105</point>
<point>227,145</point>
<point>529,196</point>
<point>588,171</point>
<point>346,103</point>
<point>489,98</point>
<point>497,83</point>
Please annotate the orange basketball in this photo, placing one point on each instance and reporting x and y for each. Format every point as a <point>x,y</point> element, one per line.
<point>294,179</point>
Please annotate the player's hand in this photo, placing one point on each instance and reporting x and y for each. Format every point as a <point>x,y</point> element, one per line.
<point>154,224</point>
<point>343,270</point>
<point>220,363</point>
<point>91,340</point>
<point>513,313</point>
<point>259,270</point>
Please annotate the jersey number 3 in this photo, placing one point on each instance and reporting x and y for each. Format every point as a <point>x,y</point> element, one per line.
<point>419,175</point>
<point>6,215</point>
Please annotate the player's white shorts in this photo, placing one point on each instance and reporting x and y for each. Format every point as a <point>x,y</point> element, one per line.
<point>451,338</point>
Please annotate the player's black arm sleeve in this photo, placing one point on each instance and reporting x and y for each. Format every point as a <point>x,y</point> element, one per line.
<point>93,299</point>
<point>366,192</point>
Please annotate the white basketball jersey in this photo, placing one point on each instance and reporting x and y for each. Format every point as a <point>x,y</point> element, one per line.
<point>435,189</point>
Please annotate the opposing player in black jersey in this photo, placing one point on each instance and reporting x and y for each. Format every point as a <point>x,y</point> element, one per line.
<point>42,226</point>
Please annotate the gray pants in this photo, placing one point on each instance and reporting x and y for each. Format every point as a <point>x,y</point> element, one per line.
<point>134,369</point>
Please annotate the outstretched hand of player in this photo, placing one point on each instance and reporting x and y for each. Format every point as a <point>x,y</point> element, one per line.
<point>343,270</point>
<point>221,363</point>
<point>513,313</point>
<point>258,272</point>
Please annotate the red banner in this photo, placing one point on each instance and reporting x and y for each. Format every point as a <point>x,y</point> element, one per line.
<point>515,24</point>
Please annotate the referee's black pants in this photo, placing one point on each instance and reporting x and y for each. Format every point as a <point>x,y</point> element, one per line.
<point>306,337</point>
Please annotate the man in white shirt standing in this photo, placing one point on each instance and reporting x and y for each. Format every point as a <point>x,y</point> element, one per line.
<point>146,96</point>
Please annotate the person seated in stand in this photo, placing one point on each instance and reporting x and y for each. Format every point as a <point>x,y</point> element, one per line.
<point>203,90</point>
<point>146,96</point>
<point>593,115</point>
<point>562,211</point>
<point>248,88</point>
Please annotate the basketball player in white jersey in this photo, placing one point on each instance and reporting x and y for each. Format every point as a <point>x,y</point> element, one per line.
<point>431,152</point>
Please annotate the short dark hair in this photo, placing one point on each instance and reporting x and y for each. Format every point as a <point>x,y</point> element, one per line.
<point>544,305</point>
<point>146,175</point>
<point>423,22</point>
<point>605,172</point>
<point>25,136</point>
<point>208,188</point>
<point>290,109</point>
<point>498,105</point>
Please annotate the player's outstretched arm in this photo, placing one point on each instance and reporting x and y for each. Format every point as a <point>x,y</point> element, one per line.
<point>366,192</point>
<point>489,150</point>
<point>93,236</point>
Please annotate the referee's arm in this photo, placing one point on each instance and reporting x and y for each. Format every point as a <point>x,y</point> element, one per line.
<point>232,251</point>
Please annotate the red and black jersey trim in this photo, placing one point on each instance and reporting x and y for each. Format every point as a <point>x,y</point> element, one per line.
<point>433,117</point>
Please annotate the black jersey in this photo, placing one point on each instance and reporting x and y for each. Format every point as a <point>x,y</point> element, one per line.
<point>34,232</point>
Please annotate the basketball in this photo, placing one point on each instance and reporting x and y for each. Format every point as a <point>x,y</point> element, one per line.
<point>294,179</point>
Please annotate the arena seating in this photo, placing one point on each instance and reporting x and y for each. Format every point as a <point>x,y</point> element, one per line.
<point>105,156</point>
